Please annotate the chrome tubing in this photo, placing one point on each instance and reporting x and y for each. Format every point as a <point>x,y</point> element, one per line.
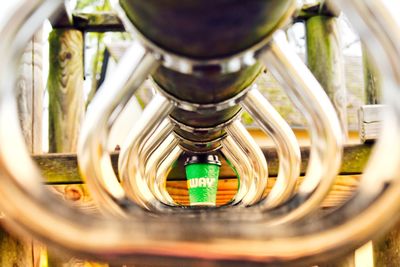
<point>164,155</point>
<point>154,141</point>
<point>151,150</point>
<point>373,210</point>
<point>129,166</point>
<point>258,162</point>
<point>325,131</point>
<point>238,158</point>
<point>286,144</point>
<point>94,159</point>
<point>162,174</point>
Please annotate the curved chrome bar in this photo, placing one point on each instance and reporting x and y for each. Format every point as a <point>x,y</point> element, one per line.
<point>165,154</point>
<point>259,165</point>
<point>374,208</point>
<point>325,131</point>
<point>162,174</point>
<point>150,151</point>
<point>94,160</point>
<point>129,166</point>
<point>238,158</point>
<point>154,142</point>
<point>285,140</point>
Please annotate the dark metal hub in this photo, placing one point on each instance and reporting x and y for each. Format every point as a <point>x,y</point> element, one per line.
<point>206,30</point>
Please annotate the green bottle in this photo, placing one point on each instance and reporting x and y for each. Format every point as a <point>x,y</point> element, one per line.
<point>202,172</point>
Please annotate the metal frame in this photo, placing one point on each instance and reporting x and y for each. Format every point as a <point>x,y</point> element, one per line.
<point>159,166</point>
<point>239,158</point>
<point>286,144</point>
<point>372,210</point>
<point>253,153</point>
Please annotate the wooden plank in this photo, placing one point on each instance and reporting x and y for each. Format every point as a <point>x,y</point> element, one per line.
<point>101,21</point>
<point>78,195</point>
<point>63,168</point>
<point>59,168</point>
<point>354,160</point>
<point>315,8</point>
<point>342,190</point>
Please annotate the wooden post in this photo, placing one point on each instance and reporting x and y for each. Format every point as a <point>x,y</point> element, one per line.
<point>15,252</point>
<point>386,250</point>
<point>21,252</point>
<point>325,60</point>
<point>30,94</point>
<point>372,85</point>
<point>65,86</point>
<point>66,107</point>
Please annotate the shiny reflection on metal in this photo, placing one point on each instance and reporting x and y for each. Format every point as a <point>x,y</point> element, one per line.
<point>129,166</point>
<point>204,108</point>
<point>94,159</point>
<point>196,149</point>
<point>200,147</point>
<point>374,208</point>
<point>218,127</point>
<point>286,145</point>
<point>187,65</point>
<point>155,175</point>
<point>150,156</point>
<point>239,159</point>
<point>154,141</point>
<point>258,162</point>
<point>324,127</point>
<point>166,166</point>
<point>199,143</point>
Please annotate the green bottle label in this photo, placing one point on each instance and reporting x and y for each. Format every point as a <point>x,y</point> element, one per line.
<point>202,183</point>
